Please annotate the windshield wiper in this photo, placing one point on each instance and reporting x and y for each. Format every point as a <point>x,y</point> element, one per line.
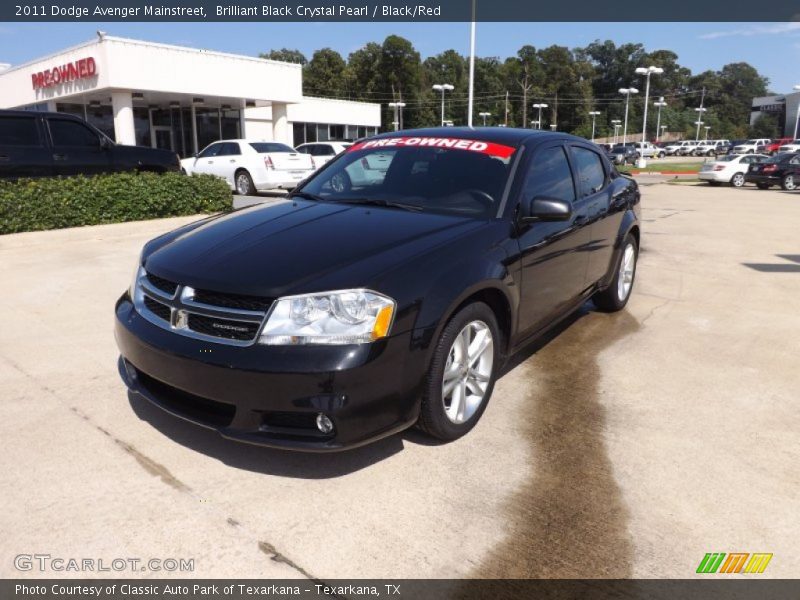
<point>380,202</point>
<point>305,195</point>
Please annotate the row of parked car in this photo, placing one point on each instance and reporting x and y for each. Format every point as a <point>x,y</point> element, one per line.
<point>628,153</point>
<point>781,169</point>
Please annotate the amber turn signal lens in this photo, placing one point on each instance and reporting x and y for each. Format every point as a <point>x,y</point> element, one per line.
<point>382,323</point>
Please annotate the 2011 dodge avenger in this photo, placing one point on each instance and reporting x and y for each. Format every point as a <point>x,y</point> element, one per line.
<point>385,292</point>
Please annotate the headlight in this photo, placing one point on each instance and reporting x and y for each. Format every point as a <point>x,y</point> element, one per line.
<point>138,273</point>
<point>341,317</point>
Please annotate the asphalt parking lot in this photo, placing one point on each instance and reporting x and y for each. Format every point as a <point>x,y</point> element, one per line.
<point>625,445</point>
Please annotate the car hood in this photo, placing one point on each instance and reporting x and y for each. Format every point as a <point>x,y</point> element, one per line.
<point>294,247</point>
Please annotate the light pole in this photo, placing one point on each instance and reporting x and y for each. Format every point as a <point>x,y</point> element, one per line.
<point>443,87</point>
<point>540,106</point>
<point>627,92</point>
<point>699,121</point>
<point>707,127</point>
<point>594,114</point>
<point>617,124</point>
<point>797,116</point>
<point>484,115</point>
<point>398,109</point>
<point>659,104</point>
<point>647,71</point>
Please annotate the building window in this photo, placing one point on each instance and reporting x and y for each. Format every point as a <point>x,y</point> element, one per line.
<point>207,126</point>
<point>101,117</point>
<point>337,132</point>
<point>231,125</point>
<point>141,126</point>
<point>299,133</point>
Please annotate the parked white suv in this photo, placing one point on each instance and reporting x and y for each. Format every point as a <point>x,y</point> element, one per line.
<point>322,152</point>
<point>683,148</point>
<point>751,146</point>
<point>794,146</point>
<point>712,147</point>
<point>648,150</point>
<point>248,165</point>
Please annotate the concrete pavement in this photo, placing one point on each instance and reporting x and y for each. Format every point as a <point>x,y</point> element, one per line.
<point>623,445</point>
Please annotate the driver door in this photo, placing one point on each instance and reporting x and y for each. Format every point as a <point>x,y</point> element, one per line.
<point>553,259</point>
<point>207,159</point>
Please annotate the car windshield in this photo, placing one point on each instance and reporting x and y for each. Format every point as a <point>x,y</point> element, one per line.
<point>728,158</point>
<point>264,147</point>
<point>430,174</point>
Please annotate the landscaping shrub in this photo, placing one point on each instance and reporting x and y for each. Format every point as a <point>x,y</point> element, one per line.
<point>54,203</point>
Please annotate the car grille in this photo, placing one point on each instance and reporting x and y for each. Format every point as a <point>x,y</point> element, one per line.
<point>233,319</point>
<point>166,286</point>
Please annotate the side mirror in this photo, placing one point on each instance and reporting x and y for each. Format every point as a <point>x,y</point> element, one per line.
<point>105,143</point>
<point>542,208</point>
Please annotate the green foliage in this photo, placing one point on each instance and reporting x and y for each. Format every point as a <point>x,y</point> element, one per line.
<point>765,126</point>
<point>571,82</point>
<point>54,203</point>
<point>285,55</point>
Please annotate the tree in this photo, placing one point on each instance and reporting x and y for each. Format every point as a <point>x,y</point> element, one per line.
<point>285,55</point>
<point>765,126</point>
<point>325,74</point>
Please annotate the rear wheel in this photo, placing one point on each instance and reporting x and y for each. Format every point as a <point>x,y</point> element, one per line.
<point>616,295</point>
<point>762,186</point>
<point>788,182</point>
<point>244,183</point>
<point>737,180</point>
<point>462,373</point>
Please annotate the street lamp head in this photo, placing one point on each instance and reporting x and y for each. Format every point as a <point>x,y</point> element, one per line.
<point>628,91</point>
<point>484,114</point>
<point>540,105</point>
<point>442,87</point>
<point>594,112</point>
<point>701,110</point>
<point>649,70</point>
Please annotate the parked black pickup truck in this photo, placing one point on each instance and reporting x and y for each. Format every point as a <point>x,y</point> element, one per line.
<point>45,144</point>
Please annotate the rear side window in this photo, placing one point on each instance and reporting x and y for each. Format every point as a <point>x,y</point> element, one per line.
<point>19,131</point>
<point>549,176</point>
<point>72,133</point>
<point>230,149</point>
<point>590,170</point>
<point>263,147</point>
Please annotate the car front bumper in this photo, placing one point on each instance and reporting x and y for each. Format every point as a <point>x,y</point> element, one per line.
<point>271,395</point>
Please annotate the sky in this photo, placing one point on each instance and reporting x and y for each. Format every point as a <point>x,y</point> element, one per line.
<point>770,47</point>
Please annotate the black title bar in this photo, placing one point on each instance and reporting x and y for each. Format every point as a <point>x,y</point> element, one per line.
<point>394,10</point>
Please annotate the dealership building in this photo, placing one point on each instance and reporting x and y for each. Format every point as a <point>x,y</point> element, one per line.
<point>786,107</point>
<point>180,98</point>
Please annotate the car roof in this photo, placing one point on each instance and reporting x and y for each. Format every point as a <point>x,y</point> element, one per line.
<point>510,136</point>
<point>36,113</point>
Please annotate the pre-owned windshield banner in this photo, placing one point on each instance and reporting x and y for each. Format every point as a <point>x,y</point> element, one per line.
<point>490,148</point>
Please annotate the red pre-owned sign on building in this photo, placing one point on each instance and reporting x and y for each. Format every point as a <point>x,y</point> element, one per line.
<point>80,69</point>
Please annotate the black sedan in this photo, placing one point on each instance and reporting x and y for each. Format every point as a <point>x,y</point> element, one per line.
<point>387,291</point>
<point>623,154</point>
<point>777,170</point>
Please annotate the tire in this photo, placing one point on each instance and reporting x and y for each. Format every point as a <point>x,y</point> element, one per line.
<point>762,186</point>
<point>439,417</point>
<point>788,182</point>
<point>661,155</point>
<point>244,183</point>
<point>617,294</point>
<point>737,180</point>
<point>710,153</point>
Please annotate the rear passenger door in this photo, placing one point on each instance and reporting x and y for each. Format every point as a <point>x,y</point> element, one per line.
<point>592,176</point>
<point>23,151</point>
<point>76,148</point>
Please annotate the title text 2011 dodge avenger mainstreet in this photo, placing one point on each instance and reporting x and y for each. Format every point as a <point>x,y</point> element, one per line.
<point>386,292</point>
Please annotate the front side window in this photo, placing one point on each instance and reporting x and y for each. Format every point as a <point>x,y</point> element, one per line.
<point>590,170</point>
<point>438,175</point>
<point>549,176</point>
<point>18,131</point>
<point>211,151</point>
<point>72,133</point>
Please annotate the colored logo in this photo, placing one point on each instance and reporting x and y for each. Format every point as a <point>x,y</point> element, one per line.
<point>735,562</point>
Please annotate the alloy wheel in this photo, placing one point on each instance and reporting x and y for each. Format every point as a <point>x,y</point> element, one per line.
<point>467,372</point>
<point>738,180</point>
<point>627,267</point>
<point>788,182</point>
<point>242,184</point>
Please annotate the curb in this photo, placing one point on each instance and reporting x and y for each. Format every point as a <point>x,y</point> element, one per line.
<point>663,172</point>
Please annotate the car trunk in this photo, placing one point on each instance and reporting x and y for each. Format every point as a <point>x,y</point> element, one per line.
<point>288,161</point>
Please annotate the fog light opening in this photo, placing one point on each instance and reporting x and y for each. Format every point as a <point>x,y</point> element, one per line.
<point>324,424</point>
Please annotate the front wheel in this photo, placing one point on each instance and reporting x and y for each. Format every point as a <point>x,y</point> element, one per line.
<point>661,155</point>
<point>616,295</point>
<point>737,180</point>
<point>788,182</point>
<point>462,373</point>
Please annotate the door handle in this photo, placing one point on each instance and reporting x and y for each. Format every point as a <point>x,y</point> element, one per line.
<point>59,157</point>
<point>5,157</point>
<point>233,160</point>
